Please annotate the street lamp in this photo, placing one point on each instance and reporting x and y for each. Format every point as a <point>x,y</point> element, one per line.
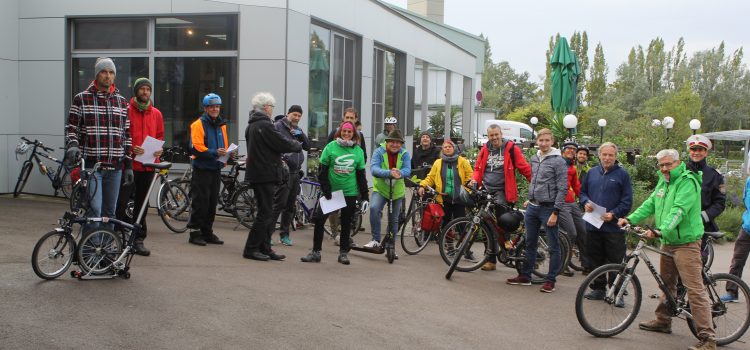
<point>602,123</point>
<point>533,121</point>
<point>695,124</point>
<point>668,123</point>
<point>570,121</point>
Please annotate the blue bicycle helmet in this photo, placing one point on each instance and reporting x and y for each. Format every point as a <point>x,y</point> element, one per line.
<point>211,99</point>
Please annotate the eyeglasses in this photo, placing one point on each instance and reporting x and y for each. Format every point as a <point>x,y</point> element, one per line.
<point>665,165</point>
<point>272,106</point>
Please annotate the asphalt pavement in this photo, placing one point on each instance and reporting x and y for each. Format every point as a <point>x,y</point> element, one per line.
<point>190,297</point>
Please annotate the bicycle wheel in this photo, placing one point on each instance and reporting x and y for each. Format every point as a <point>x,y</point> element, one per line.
<point>611,313</point>
<point>53,254</point>
<point>174,206</point>
<point>98,250</point>
<point>66,183</point>
<point>453,234</point>
<point>390,250</point>
<point>75,196</point>
<point>245,205</point>
<point>708,254</point>
<point>413,238</point>
<point>22,178</point>
<point>731,319</point>
<point>544,256</point>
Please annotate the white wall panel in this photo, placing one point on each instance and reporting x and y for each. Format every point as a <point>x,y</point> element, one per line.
<point>259,76</point>
<point>42,39</point>
<point>262,32</point>
<point>190,6</point>
<point>298,44</point>
<point>6,153</point>
<point>56,8</point>
<point>297,90</point>
<point>9,96</point>
<point>9,31</point>
<point>41,97</point>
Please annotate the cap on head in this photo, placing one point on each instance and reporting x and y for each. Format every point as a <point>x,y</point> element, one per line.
<point>103,63</point>
<point>141,82</point>
<point>211,100</point>
<point>395,135</point>
<point>295,108</point>
<point>699,141</point>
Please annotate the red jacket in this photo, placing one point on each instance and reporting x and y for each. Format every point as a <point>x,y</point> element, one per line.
<point>574,186</point>
<point>511,189</point>
<point>147,123</point>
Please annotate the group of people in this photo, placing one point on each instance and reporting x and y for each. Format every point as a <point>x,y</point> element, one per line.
<point>104,127</point>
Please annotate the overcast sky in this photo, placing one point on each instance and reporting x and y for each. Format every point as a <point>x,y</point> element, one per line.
<point>519,31</point>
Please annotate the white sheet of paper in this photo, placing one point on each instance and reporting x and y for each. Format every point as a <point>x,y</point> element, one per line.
<point>336,202</point>
<point>150,145</point>
<point>595,217</point>
<point>230,149</point>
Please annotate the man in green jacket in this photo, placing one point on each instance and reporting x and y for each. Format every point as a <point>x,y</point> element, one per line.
<point>676,205</point>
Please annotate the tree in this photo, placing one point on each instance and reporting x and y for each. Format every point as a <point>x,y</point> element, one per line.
<point>437,123</point>
<point>597,85</point>
<point>654,66</point>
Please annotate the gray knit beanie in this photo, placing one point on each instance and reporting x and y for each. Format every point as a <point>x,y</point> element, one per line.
<point>103,63</point>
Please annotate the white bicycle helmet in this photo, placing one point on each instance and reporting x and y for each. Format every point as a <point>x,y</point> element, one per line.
<point>390,120</point>
<point>22,147</point>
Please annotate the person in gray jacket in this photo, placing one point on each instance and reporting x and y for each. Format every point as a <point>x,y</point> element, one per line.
<point>286,193</point>
<point>547,190</point>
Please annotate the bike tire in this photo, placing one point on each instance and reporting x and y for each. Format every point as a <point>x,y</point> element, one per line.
<point>390,251</point>
<point>730,320</point>
<point>23,177</point>
<point>595,315</point>
<point>53,254</point>
<point>708,258</point>
<point>413,238</point>
<point>245,205</point>
<point>356,225</point>
<point>66,183</point>
<point>98,250</point>
<point>544,256</point>
<point>173,206</point>
<point>448,240</point>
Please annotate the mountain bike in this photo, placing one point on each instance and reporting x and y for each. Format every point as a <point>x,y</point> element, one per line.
<point>619,306</point>
<point>414,238</point>
<point>60,178</point>
<point>481,226</point>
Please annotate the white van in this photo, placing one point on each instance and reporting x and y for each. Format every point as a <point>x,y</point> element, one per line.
<point>516,131</point>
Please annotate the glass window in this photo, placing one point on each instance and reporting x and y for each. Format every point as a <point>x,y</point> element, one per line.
<point>110,34</point>
<point>128,70</point>
<point>320,70</point>
<point>181,83</point>
<point>196,33</point>
<point>383,86</point>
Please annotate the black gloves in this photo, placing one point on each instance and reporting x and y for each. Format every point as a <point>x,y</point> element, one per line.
<point>128,177</point>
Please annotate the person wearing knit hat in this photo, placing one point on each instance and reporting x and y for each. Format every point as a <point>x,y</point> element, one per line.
<point>84,137</point>
<point>145,120</point>
<point>425,153</point>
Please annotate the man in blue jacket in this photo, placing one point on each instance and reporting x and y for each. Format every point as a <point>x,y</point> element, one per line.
<point>607,185</point>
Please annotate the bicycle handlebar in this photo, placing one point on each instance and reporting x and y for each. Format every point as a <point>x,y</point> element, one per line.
<point>38,144</point>
<point>640,231</point>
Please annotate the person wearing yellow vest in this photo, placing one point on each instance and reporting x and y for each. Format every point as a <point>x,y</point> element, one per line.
<point>448,174</point>
<point>390,162</point>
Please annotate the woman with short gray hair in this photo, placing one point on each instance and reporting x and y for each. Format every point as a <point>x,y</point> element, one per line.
<point>261,101</point>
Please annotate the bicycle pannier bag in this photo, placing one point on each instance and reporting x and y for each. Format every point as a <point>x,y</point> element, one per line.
<point>432,217</point>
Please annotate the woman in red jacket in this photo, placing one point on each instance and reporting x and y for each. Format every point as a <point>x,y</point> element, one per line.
<point>495,169</point>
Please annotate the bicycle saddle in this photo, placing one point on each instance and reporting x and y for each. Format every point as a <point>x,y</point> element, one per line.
<point>714,235</point>
<point>159,166</point>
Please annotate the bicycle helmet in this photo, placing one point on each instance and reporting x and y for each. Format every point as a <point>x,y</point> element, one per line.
<point>390,120</point>
<point>510,221</point>
<point>22,147</point>
<point>465,197</point>
<point>211,99</point>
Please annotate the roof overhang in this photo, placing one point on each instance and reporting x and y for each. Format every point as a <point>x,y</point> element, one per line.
<point>731,135</point>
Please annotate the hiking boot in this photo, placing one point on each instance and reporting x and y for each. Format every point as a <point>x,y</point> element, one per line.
<point>704,344</point>
<point>547,287</point>
<point>519,280</point>
<point>196,238</point>
<point>489,266</point>
<point>139,249</point>
<point>313,256</point>
<point>595,294</point>
<point>285,240</point>
<point>656,326</point>
<point>343,258</point>
<point>213,239</point>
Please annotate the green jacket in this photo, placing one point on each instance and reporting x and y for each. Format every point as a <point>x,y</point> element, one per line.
<point>381,172</point>
<point>677,207</point>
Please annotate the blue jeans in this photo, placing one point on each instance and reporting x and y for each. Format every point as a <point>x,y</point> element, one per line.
<point>377,203</point>
<point>535,217</point>
<point>103,189</point>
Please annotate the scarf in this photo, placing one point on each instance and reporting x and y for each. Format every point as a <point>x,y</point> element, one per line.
<point>345,143</point>
<point>449,176</point>
<point>141,106</point>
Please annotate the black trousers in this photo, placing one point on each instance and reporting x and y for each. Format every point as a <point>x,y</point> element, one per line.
<point>139,187</point>
<point>204,196</point>
<point>257,238</point>
<point>739,258</point>
<point>452,211</point>
<point>604,248</point>
<point>347,213</point>
<point>283,204</point>
<point>499,210</point>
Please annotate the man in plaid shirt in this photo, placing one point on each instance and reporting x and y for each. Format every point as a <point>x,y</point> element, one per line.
<point>98,130</point>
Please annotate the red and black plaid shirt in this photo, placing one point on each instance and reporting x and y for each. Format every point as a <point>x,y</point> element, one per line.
<point>98,123</point>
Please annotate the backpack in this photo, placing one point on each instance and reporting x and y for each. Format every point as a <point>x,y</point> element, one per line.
<point>432,217</point>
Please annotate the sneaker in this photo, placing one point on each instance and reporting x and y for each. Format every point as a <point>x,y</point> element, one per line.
<point>470,256</point>
<point>595,294</point>
<point>547,287</point>
<point>656,326</point>
<point>704,344</point>
<point>519,280</point>
<point>620,302</point>
<point>285,240</point>
<point>372,244</point>
<point>729,298</point>
<point>313,256</point>
<point>489,266</point>
<point>343,258</point>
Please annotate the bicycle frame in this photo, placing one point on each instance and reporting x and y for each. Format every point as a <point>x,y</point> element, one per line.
<point>54,176</point>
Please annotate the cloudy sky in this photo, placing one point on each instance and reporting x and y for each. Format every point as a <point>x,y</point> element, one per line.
<point>519,31</point>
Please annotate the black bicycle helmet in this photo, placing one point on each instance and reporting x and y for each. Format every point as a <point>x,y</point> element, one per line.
<point>510,221</point>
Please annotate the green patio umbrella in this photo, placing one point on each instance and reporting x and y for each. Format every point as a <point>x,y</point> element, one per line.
<point>565,69</point>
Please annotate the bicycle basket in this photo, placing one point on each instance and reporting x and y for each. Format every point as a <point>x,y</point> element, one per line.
<point>432,217</point>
